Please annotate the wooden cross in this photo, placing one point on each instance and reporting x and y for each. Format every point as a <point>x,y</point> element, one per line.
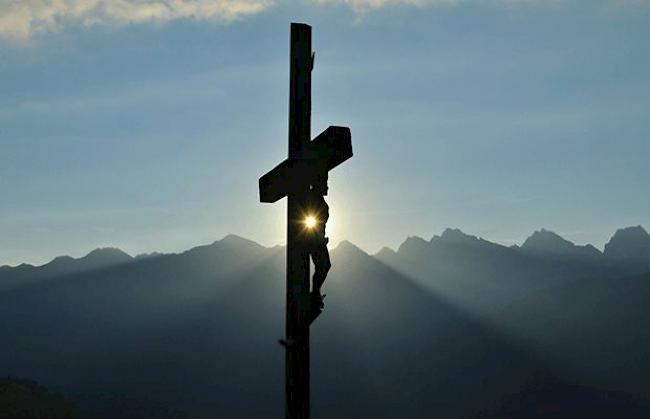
<point>292,178</point>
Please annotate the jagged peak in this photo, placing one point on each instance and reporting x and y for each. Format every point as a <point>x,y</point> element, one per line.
<point>347,246</point>
<point>545,232</point>
<point>545,237</point>
<point>385,251</point>
<point>234,238</point>
<point>412,242</point>
<point>547,241</point>
<point>103,256</point>
<point>346,250</point>
<point>414,239</point>
<point>61,259</point>
<point>632,231</point>
<point>455,235</point>
<point>230,241</point>
<point>629,242</point>
<point>112,252</point>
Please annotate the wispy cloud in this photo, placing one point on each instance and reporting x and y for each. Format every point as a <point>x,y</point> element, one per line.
<point>364,6</point>
<point>21,19</point>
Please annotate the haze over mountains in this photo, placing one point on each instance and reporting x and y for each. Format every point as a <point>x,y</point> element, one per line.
<point>455,326</point>
<point>627,243</point>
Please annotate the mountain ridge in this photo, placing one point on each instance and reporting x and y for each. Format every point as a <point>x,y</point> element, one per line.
<point>428,328</point>
<point>626,242</point>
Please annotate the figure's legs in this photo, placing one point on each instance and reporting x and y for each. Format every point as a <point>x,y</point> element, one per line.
<point>322,265</point>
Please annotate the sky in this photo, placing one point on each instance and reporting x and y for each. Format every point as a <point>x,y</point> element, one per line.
<point>145,125</point>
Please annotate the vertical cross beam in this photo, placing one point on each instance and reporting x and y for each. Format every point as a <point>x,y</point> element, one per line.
<point>297,310</point>
<point>291,178</point>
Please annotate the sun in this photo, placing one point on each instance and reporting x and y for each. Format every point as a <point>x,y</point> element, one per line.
<point>310,221</point>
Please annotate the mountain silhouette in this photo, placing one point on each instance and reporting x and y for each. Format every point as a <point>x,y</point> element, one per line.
<point>62,265</point>
<point>452,327</point>
<point>629,243</point>
<point>547,242</point>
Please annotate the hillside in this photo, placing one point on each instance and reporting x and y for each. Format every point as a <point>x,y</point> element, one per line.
<point>404,334</point>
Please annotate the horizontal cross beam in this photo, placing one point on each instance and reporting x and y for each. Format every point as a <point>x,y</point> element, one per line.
<point>329,149</point>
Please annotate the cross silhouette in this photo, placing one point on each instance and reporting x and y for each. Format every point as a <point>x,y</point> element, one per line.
<point>292,178</point>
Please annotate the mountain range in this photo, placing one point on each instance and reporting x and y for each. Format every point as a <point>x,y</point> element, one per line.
<point>452,327</point>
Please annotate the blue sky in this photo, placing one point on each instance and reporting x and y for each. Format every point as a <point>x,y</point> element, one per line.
<point>145,124</point>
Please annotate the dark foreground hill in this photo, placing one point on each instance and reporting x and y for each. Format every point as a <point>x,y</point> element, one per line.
<point>194,335</point>
<point>25,399</point>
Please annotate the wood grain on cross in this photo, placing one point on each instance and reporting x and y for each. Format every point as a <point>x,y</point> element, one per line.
<point>292,179</point>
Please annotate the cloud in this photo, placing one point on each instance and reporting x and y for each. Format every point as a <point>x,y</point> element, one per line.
<point>363,6</point>
<point>373,4</point>
<point>20,19</point>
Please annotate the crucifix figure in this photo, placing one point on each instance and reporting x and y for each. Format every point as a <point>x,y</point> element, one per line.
<point>318,214</point>
<point>302,178</point>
